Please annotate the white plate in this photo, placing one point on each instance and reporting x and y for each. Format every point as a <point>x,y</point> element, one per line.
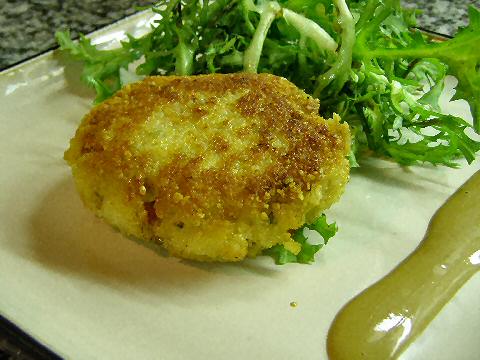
<point>87,292</point>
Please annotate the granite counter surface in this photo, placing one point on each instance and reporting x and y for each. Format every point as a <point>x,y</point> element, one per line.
<point>27,26</point>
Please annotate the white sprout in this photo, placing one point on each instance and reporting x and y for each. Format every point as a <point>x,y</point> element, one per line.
<point>342,66</point>
<point>311,29</point>
<point>268,12</point>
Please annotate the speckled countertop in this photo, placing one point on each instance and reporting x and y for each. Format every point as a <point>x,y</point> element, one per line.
<point>27,26</point>
<point>442,16</point>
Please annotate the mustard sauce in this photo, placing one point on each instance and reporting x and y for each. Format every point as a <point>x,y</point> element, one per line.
<point>385,318</point>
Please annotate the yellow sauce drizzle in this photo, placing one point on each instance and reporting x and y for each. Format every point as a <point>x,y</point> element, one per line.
<point>384,319</point>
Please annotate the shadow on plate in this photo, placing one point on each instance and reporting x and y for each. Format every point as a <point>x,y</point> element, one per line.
<point>397,176</point>
<point>68,238</point>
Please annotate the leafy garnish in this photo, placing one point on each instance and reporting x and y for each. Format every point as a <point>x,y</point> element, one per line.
<point>101,69</point>
<point>307,252</point>
<point>386,99</point>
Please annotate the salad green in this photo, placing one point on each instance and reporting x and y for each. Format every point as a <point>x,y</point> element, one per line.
<point>363,59</point>
<point>308,250</point>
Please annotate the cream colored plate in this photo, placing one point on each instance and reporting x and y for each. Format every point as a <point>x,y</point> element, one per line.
<point>87,292</point>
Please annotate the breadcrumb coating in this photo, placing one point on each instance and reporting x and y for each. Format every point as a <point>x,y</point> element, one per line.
<point>214,167</point>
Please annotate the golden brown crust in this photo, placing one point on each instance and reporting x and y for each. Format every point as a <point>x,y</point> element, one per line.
<point>244,142</point>
<point>311,146</point>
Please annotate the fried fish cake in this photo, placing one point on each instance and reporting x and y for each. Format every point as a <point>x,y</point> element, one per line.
<point>214,167</point>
